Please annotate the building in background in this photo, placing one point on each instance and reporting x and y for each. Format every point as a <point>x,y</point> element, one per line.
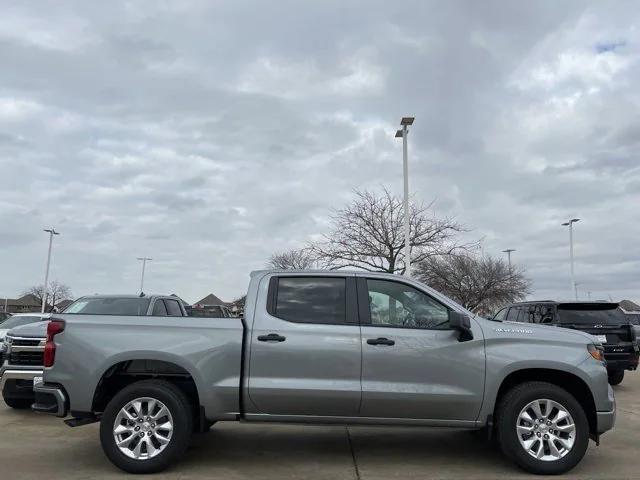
<point>25,304</point>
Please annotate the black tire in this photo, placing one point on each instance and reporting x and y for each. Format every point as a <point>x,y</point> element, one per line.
<point>181,411</point>
<point>507,414</point>
<point>18,403</point>
<point>615,377</point>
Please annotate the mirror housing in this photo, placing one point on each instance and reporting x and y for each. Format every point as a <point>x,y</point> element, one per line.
<point>462,323</point>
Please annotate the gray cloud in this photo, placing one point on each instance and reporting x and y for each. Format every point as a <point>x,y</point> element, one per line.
<point>208,135</point>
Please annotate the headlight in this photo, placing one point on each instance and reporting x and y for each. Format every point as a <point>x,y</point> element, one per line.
<point>596,351</point>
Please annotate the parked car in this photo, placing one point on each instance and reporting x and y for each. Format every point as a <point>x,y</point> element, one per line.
<point>20,319</point>
<point>604,320</point>
<point>25,347</point>
<point>22,358</point>
<point>152,305</point>
<point>3,317</point>
<point>327,347</point>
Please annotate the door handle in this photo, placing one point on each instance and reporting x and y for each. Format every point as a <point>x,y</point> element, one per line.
<point>380,341</point>
<point>272,337</point>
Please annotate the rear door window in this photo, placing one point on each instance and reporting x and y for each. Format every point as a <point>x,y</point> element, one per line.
<point>311,299</point>
<point>591,314</point>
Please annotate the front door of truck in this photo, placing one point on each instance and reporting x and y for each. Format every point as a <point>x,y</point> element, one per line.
<point>413,365</point>
<point>305,356</point>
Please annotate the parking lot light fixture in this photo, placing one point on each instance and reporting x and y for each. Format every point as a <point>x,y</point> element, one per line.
<point>508,251</point>
<point>405,122</point>
<point>144,261</point>
<point>569,224</point>
<point>45,287</point>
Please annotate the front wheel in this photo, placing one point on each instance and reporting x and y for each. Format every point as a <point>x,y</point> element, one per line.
<point>615,377</point>
<point>542,428</point>
<point>146,426</point>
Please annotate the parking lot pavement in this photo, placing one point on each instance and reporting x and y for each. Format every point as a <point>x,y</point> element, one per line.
<point>36,446</point>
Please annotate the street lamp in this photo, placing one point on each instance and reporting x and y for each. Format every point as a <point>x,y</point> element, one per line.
<point>508,252</point>
<point>51,232</point>
<point>144,264</point>
<point>570,225</point>
<point>405,122</point>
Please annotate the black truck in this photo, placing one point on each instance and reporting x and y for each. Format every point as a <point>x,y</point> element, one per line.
<point>604,320</point>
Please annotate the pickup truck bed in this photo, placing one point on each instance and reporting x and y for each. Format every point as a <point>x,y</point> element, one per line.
<point>209,351</point>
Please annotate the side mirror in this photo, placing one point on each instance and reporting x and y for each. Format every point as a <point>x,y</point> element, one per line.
<point>462,323</point>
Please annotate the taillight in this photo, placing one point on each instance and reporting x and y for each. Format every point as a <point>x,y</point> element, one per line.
<point>54,328</point>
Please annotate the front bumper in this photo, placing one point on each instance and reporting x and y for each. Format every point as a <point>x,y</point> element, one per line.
<point>606,420</point>
<point>10,374</point>
<point>50,399</point>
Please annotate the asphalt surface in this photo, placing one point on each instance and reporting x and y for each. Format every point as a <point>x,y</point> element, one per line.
<point>36,446</point>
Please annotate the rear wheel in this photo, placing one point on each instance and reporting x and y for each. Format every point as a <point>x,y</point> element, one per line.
<point>146,426</point>
<point>542,428</point>
<point>615,377</point>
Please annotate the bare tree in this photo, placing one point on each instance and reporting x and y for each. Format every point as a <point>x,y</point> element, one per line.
<point>368,234</point>
<point>302,259</point>
<point>478,282</point>
<point>56,293</point>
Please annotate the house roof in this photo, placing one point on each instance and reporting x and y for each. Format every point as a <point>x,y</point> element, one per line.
<point>210,299</point>
<point>629,306</point>
<point>27,300</point>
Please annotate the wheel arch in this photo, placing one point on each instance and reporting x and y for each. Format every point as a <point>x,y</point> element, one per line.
<point>121,371</point>
<point>571,382</point>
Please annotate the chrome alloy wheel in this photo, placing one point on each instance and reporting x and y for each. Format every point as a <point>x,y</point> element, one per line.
<point>143,428</point>
<point>546,430</point>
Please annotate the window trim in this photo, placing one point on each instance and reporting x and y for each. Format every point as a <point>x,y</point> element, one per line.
<point>364,308</point>
<point>351,311</point>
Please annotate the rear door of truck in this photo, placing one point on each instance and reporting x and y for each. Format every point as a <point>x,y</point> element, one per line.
<point>305,349</point>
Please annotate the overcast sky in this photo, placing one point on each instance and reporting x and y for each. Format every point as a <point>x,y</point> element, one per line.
<point>209,134</point>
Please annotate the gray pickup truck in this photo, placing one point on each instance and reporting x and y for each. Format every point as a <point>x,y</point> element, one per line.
<point>22,350</point>
<point>21,356</point>
<point>328,348</point>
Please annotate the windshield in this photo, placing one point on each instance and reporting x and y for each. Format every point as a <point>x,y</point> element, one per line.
<point>109,306</point>
<point>591,314</point>
<point>19,321</point>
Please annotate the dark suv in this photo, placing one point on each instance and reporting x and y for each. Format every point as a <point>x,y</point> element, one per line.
<point>604,320</point>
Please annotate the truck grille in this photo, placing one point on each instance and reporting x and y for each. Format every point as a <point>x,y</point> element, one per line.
<point>25,351</point>
<point>25,342</point>
<point>31,358</point>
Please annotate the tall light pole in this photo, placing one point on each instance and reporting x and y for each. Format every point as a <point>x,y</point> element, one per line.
<point>144,264</point>
<point>573,279</point>
<point>51,232</point>
<point>508,252</point>
<point>405,122</point>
